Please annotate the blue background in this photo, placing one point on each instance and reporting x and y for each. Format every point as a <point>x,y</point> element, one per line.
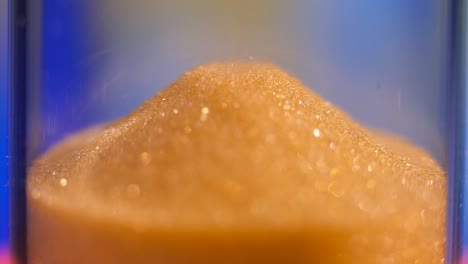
<point>3,126</point>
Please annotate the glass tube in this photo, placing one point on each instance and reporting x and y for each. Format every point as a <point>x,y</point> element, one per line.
<point>457,134</point>
<point>79,64</point>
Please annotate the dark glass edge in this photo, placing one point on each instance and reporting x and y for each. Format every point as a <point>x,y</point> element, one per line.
<point>17,94</point>
<point>457,114</point>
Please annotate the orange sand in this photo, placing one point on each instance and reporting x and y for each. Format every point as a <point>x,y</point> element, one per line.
<point>235,163</point>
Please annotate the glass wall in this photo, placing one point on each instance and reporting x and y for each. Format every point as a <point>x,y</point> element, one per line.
<point>90,63</point>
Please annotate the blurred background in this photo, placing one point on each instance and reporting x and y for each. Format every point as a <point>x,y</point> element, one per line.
<point>380,61</point>
<point>3,129</point>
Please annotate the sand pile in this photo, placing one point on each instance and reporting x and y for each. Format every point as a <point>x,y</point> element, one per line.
<point>235,163</point>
